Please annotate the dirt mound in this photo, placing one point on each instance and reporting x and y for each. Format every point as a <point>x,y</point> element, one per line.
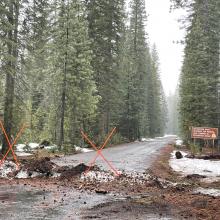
<point>44,166</point>
<point>71,172</point>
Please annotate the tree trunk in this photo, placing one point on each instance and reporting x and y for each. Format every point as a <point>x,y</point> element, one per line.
<point>63,96</point>
<point>12,36</point>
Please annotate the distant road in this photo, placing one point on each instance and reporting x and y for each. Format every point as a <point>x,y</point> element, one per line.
<point>132,157</point>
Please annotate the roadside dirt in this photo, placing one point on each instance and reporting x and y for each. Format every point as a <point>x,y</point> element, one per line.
<point>149,196</point>
<point>188,204</point>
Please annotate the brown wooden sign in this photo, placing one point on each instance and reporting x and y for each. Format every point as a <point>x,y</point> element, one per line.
<point>204,133</point>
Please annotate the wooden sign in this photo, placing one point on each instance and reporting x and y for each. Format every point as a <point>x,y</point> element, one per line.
<point>204,133</point>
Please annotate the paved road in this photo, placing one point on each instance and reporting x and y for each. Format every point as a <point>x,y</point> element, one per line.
<point>132,157</point>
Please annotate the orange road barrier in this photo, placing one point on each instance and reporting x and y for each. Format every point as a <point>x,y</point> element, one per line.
<point>10,145</point>
<point>99,151</point>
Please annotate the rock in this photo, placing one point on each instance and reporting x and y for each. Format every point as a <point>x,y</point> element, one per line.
<point>100,191</point>
<point>178,155</point>
<point>45,143</point>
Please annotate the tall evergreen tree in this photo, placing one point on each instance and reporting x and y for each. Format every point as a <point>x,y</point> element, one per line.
<point>73,73</point>
<point>106,28</point>
<point>199,105</point>
<point>9,41</point>
<point>136,113</point>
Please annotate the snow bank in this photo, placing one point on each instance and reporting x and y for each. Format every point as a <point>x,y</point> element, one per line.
<point>82,150</point>
<point>210,192</point>
<point>188,166</point>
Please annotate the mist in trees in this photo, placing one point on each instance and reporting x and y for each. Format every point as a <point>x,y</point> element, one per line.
<point>84,64</point>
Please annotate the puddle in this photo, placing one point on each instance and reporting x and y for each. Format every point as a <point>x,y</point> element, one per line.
<point>24,202</point>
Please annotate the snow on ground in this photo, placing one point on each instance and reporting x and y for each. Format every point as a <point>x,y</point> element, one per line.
<point>99,176</point>
<point>6,168</point>
<point>169,135</point>
<point>82,150</point>
<point>23,154</point>
<point>210,192</point>
<point>20,147</point>
<point>52,147</point>
<point>179,142</point>
<point>103,176</point>
<point>188,166</point>
<point>33,145</point>
<point>146,139</point>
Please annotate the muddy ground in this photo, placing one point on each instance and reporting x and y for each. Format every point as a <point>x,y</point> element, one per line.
<point>148,196</point>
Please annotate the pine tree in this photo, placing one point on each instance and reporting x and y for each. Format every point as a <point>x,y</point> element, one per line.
<point>157,100</point>
<point>73,73</point>
<point>9,30</point>
<point>199,104</point>
<point>106,28</point>
<point>136,113</point>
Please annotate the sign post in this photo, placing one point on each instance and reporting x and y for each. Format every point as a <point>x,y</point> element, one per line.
<point>204,133</point>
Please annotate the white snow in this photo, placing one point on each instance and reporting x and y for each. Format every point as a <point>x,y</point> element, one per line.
<point>146,139</point>
<point>33,145</point>
<point>103,176</point>
<point>20,147</point>
<point>98,176</point>
<point>6,168</point>
<point>188,166</point>
<point>210,191</point>
<point>22,154</point>
<point>169,135</point>
<point>22,175</point>
<point>179,142</point>
<point>83,150</point>
<point>50,147</point>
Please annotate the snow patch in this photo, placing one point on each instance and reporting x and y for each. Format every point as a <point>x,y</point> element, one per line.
<point>179,142</point>
<point>210,192</point>
<point>6,168</point>
<point>33,145</point>
<point>82,150</point>
<point>99,176</point>
<point>188,166</point>
<point>146,139</point>
<point>22,175</point>
<point>103,176</point>
<point>22,154</point>
<point>20,147</point>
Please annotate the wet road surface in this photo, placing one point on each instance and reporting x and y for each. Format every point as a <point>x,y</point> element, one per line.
<point>132,157</point>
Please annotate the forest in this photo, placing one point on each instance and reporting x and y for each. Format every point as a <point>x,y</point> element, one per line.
<point>67,65</point>
<point>199,86</point>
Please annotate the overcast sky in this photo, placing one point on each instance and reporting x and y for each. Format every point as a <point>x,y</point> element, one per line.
<point>163,29</point>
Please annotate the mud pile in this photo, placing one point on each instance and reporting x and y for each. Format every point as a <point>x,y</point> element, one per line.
<point>74,171</point>
<point>43,166</point>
